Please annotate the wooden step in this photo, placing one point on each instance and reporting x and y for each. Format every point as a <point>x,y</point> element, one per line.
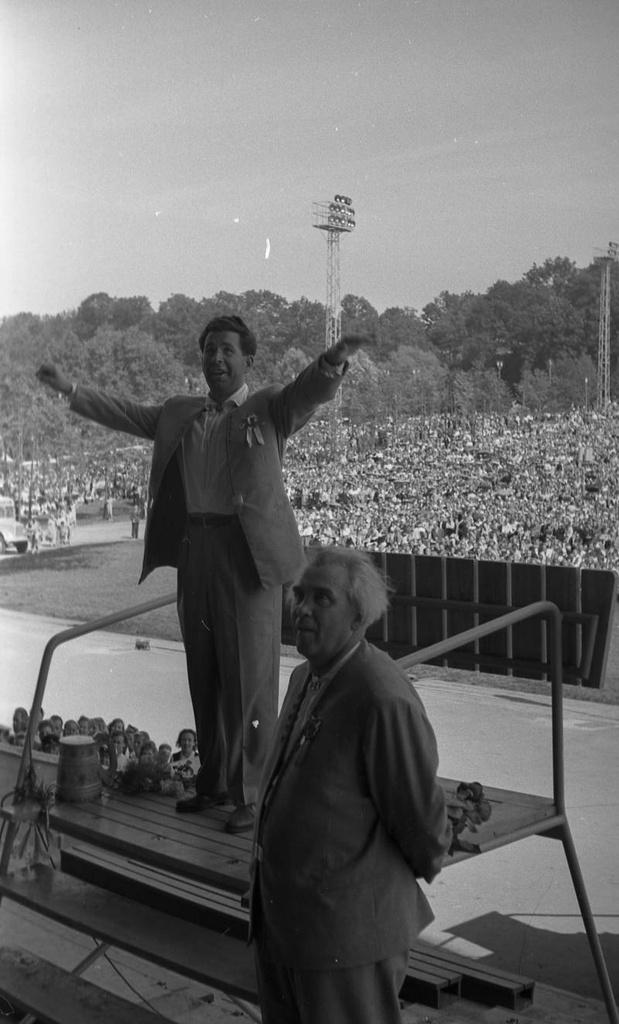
<point>431,985</point>
<point>435,977</point>
<point>181,946</point>
<point>56,996</point>
<point>481,983</point>
<point>184,897</point>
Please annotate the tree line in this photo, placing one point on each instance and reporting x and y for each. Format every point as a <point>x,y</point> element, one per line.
<point>532,342</point>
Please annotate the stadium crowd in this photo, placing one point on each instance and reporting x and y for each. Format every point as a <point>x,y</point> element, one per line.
<point>516,487</point>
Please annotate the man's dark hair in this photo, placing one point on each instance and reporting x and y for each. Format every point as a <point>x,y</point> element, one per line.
<point>248,341</point>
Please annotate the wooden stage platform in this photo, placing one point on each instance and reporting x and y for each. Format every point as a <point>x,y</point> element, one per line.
<point>172,888</point>
<point>147,827</point>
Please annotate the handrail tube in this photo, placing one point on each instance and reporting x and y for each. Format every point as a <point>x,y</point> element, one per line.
<point>542,608</point>
<point>62,638</point>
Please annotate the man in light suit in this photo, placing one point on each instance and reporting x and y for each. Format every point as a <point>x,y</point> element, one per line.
<point>350,813</point>
<point>218,511</point>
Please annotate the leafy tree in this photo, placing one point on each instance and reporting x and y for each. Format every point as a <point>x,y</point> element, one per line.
<point>177,325</point>
<point>414,383</point>
<point>568,383</point>
<point>359,315</point>
<point>398,328</point>
<point>447,328</point>
<point>362,390</point>
<point>305,326</point>
<point>535,390</point>
<point>290,365</point>
<point>133,312</point>
<point>557,274</point>
<point>94,312</point>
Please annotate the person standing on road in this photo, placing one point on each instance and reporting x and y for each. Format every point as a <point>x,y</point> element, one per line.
<point>135,522</point>
<point>219,513</point>
<point>350,813</point>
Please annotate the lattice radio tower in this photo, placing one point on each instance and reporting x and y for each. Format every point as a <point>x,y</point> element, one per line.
<point>605,258</point>
<point>335,217</point>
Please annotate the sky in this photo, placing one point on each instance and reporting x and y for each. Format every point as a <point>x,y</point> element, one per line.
<point>157,147</point>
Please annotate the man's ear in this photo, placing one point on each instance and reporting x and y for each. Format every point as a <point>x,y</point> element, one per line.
<point>249,362</point>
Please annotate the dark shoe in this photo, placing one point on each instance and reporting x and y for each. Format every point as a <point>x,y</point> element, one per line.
<point>241,820</point>
<point>199,802</point>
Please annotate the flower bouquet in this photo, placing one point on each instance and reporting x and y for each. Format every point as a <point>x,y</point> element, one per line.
<point>145,776</point>
<point>468,809</point>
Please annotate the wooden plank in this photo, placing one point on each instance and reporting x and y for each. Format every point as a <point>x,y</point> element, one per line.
<point>527,646</point>
<point>481,982</point>
<point>184,898</point>
<point>599,597</point>
<point>157,815</point>
<point>178,945</point>
<point>428,574</point>
<point>460,574</point>
<point>193,849</point>
<point>54,996</point>
<point>492,589</point>
<point>96,823</point>
<point>400,618</point>
<point>428,988</point>
<point>563,588</point>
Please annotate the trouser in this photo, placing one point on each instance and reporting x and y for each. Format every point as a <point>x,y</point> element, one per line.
<point>351,995</point>
<point>231,628</point>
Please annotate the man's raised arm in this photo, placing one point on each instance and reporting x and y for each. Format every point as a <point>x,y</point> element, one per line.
<point>346,347</point>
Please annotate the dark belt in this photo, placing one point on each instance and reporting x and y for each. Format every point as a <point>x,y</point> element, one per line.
<point>212,519</point>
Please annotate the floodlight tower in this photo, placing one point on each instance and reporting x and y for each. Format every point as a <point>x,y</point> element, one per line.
<point>604,259</point>
<point>335,217</point>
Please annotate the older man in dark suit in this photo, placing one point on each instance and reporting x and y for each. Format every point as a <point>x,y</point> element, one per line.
<point>218,511</point>
<point>350,813</point>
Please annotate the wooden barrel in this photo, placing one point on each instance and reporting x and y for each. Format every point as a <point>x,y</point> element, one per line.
<point>79,773</point>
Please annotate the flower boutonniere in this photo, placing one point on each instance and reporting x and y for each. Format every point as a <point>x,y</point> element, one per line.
<point>310,730</point>
<point>252,430</point>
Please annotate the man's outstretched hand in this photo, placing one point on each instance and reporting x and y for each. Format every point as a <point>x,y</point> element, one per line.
<point>51,376</point>
<point>346,347</point>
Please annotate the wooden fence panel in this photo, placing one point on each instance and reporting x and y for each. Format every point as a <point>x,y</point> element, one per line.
<point>599,597</point>
<point>529,639</point>
<point>430,600</point>
<point>429,583</point>
<point>563,588</point>
<point>493,590</point>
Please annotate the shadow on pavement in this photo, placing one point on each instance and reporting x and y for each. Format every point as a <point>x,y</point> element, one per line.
<point>562,960</point>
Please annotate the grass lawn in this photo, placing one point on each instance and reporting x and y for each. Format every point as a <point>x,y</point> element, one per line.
<point>86,582</point>
<point>89,581</point>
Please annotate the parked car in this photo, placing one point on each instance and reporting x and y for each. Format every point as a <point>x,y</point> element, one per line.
<point>12,532</point>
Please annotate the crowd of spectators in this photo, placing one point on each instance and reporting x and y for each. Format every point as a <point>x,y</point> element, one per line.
<point>131,746</point>
<point>514,488</point>
<point>499,487</point>
<point>54,489</point>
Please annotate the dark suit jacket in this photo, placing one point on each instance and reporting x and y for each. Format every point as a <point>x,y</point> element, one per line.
<point>355,817</point>
<point>260,499</point>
